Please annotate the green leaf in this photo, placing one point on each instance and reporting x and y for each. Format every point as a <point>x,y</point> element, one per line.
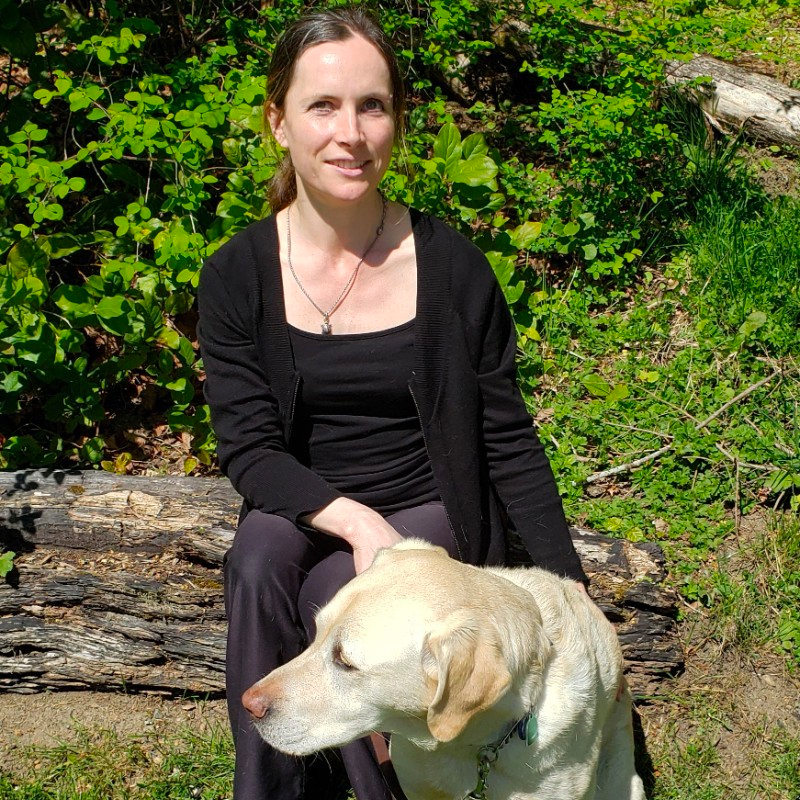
<point>6,563</point>
<point>513,293</point>
<point>73,299</point>
<point>27,258</point>
<point>597,386</point>
<point>502,265</point>
<point>182,391</point>
<point>474,145</point>
<point>523,236</point>
<point>110,307</point>
<point>475,171</point>
<point>589,252</point>
<point>756,320</point>
<point>782,480</point>
<point>93,450</point>
<point>447,145</point>
<point>13,382</point>
<point>619,392</point>
<point>60,244</point>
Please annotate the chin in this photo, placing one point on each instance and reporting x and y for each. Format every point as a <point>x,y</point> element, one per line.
<point>343,192</point>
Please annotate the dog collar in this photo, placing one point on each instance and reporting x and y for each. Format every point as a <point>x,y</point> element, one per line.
<point>526,729</point>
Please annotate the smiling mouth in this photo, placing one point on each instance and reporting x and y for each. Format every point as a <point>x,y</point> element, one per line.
<point>349,164</point>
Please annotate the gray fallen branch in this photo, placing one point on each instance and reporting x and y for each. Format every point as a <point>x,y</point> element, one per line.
<point>638,462</point>
<point>737,99</point>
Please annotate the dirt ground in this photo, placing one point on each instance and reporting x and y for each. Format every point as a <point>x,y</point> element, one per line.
<point>50,718</point>
<point>751,698</point>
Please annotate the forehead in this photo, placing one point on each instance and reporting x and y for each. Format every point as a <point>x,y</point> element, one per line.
<point>353,64</point>
<point>373,631</point>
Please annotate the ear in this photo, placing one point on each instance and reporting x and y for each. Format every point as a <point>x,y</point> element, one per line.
<point>275,119</point>
<point>465,662</point>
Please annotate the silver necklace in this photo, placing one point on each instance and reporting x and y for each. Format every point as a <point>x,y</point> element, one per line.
<point>327,328</point>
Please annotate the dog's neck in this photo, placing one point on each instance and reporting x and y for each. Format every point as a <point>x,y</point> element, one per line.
<point>484,729</point>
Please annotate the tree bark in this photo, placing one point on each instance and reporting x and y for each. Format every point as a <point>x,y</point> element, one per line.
<point>118,583</point>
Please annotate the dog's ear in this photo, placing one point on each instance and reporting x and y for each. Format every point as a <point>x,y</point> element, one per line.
<point>467,670</point>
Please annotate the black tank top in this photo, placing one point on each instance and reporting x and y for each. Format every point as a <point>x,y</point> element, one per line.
<point>356,424</point>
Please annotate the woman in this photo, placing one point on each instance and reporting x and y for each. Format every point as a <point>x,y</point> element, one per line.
<point>361,378</point>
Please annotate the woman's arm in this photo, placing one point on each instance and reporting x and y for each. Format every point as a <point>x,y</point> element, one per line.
<point>251,446</point>
<point>518,466</point>
<point>244,411</point>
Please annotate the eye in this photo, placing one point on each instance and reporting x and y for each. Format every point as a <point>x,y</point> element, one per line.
<point>340,660</point>
<point>321,106</point>
<point>373,104</point>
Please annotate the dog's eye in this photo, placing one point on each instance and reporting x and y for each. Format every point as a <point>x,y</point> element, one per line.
<point>340,660</point>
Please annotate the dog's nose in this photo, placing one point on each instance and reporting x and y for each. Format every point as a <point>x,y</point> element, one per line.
<point>255,703</point>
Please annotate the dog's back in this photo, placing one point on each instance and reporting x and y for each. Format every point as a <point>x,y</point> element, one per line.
<point>586,653</point>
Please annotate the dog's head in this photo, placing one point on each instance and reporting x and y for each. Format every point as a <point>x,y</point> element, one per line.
<point>417,645</point>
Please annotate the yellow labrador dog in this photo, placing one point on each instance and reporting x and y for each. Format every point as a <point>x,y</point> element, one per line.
<point>503,684</point>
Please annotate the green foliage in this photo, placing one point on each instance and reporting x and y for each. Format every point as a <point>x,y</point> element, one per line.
<point>113,191</point>
<point>6,562</point>
<point>749,264</point>
<point>125,161</point>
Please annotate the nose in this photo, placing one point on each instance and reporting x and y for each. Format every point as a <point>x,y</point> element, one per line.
<point>255,702</point>
<point>348,128</point>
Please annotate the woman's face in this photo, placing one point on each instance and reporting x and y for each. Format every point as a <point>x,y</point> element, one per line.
<point>337,120</point>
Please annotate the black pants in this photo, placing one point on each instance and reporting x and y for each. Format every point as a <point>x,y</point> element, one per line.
<point>276,577</point>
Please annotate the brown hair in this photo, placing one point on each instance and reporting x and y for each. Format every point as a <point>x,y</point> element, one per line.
<point>318,27</point>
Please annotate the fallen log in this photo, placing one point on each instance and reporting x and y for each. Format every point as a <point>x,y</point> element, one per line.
<point>118,584</point>
<point>735,99</point>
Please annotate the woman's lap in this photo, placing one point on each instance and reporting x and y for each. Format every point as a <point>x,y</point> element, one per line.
<point>277,576</point>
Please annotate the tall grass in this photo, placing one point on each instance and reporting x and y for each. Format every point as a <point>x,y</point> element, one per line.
<point>749,261</point>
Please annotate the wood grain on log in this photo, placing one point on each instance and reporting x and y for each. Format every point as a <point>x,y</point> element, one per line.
<point>736,99</point>
<point>118,583</point>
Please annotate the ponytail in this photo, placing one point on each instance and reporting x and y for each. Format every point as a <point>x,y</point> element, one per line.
<point>283,186</point>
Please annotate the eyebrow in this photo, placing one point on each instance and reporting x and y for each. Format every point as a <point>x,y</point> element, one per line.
<point>314,98</point>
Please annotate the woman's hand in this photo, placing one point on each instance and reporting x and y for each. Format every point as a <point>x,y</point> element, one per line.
<point>363,529</point>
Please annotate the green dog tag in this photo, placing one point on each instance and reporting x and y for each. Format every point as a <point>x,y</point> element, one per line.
<point>528,729</point>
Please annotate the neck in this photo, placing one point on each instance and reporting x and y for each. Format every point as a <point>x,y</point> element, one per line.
<point>340,229</point>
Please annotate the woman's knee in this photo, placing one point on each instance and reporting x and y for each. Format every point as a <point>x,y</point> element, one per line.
<point>266,546</point>
<point>322,583</point>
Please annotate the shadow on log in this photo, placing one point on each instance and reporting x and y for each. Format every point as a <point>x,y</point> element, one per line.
<point>118,584</point>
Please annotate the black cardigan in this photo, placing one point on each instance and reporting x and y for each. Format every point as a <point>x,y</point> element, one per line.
<point>489,465</point>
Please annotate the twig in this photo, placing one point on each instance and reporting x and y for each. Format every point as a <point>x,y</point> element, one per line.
<point>746,464</point>
<point>734,400</point>
<point>737,502</point>
<point>638,462</point>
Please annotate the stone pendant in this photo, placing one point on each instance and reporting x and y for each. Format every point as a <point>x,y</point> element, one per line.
<point>326,326</point>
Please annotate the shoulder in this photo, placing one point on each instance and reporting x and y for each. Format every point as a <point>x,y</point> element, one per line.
<point>449,257</point>
<point>256,239</point>
<point>431,231</point>
<point>242,261</point>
